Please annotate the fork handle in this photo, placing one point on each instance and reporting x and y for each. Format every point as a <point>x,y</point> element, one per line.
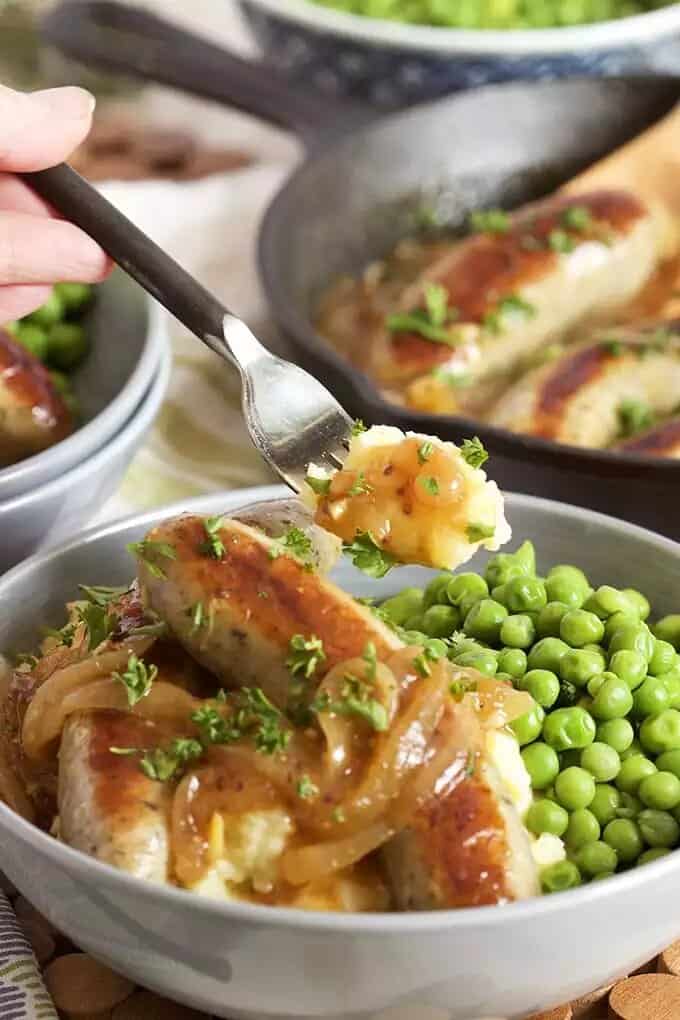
<point>142,259</point>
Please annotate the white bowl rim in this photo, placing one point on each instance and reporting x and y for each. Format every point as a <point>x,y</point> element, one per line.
<point>97,873</point>
<point>141,417</point>
<point>130,395</point>
<point>633,31</point>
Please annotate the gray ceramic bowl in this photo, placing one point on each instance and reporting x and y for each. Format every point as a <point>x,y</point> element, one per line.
<point>244,961</point>
<point>127,340</point>
<point>63,505</point>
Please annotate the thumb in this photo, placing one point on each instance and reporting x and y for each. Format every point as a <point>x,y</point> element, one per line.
<point>41,129</point>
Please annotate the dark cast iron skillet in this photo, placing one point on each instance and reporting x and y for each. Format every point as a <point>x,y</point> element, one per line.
<point>364,185</point>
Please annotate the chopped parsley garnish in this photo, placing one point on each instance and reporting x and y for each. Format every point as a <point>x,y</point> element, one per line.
<point>634,416</point>
<point>478,532</point>
<point>306,654</point>
<point>199,617</point>
<point>457,690</point>
<point>137,679</point>
<point>429,322</point>
<point>213,544</point>
<point>430,484</point>
<point>456,380</point>
<point>614,347</point>
<point>470,764</point>
<point>338,815</point>
<point>490,221</point>
<point>294,543</point>
<point>99,623</point>
<point>561,242</point>
<point>358,427</point>
<point>473,453</point>
<point>367,555</point>
<point>370,657</point>
<point>425,451</point>
<point>64,636</point>
<point>422,666</point>
<point>162,765</point>
<point>252,715</point>
<point>576,217</point>
<point>101,595</point>
<point>149,552</point>
<point>511,304</point>
<point>356,699</point>
<point>360,486</point>
<point>306,789</point>
<point>320,486</point>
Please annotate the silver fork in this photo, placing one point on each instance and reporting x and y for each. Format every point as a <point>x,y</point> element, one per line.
<point>292,419</point>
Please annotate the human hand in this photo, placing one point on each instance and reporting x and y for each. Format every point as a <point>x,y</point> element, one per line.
<point>39,130</point>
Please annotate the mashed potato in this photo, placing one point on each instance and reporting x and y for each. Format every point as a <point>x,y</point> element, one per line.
<point>413,497</point>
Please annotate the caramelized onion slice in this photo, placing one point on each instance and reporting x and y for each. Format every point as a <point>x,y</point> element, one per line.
<point>310,863</point>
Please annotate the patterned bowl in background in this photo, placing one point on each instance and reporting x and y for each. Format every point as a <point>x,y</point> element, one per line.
<point>390,64</point>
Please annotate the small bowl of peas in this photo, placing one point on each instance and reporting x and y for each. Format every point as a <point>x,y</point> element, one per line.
<point>392,53</point>
<point>96,351</point>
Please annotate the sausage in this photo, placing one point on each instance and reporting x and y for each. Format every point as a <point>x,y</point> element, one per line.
<point>108,808</point>
<point>511,292</point>
<point>32,414</point>
<point>252,602</point>
<point>577,397</point>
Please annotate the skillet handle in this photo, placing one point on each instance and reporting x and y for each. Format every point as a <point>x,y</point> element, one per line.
<point>130,40</point>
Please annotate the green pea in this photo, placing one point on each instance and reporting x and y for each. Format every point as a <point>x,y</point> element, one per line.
<point>524,593</point>
<point>605,802</point>
<point>68,345</point>
<point>629,806</point>
<point>661,791</point>
<point>33,338</point>
<point>549,619</point>
<point>651,697</point>
<point>49,313</point>
<point>484,620</point>
<point>505,678</point>
<point>658,828</point>
<point>461,585</point>
<point>436,591</point>
<point>630,752</point>
<point>617,621</point>
<point>518,631</point>
<point>635,637</point>
<point>661,732</point>
<point>608,600</point>
<point>664,658</point>
<point>547,816</point>
<point>624,836</point>
<point>653,854</point>
<point>440,621</point>
<point>617,733</point>
<point>612,699</point>
<point>542,685</point>
<point>542,764</point>
<point>578,665</point>
<point>568,585</point>
<point>596,858</point>
<point>504,566</point>
<point>638,602</point>
<point>413,636</point>
<point>669,761</point>
<point>400,607</point>
<point>560,876</point>
<point>436,648</point>
<point>528,727</point>
<point>484,661</point>
<point>672,682</point>
<point>467,603</point>
<point>579,628</point>
<point>583,828</point>
<point>567,728</point>
<point>632,772</point>
<point>512,661</point>
<point>668,629</point>
<point>73,296</point>
<point>547,654</point>
<point>630,666</point>
<point>574,788</point>
<point>601,761</point>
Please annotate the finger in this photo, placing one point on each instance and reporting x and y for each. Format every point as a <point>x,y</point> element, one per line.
<point>34,249</point>
<point>41,129</point>
<point>16,302</point>
<point>18,197</point>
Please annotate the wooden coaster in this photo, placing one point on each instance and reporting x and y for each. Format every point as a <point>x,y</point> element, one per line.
<point>646,997</point>
<point>559,1013</point>
<point>591,1006</point>
<point>669,961</point>
<point>153,1007</point>
<point>81,986</point>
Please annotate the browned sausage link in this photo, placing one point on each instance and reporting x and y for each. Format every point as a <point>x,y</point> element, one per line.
<point>486,267</point>
<point>575,370</point>
<point>32,414</point>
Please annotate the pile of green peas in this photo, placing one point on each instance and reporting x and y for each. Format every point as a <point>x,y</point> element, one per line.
<point>55,334</point>
<point>602,742</point>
